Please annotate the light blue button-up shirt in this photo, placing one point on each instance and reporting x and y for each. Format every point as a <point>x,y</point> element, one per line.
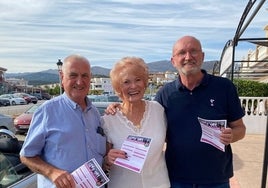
<point>64,136</point>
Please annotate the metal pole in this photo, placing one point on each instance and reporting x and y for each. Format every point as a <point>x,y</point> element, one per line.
<point>60,83</point>
<point>59,64</point>
<point>265,158</point>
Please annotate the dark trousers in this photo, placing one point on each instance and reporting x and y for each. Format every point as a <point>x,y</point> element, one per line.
<point>188,185</point>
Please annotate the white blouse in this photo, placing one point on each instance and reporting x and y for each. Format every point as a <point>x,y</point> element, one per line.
<point>153,125</point>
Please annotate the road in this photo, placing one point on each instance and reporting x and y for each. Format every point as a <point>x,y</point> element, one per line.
<point>16,110</point>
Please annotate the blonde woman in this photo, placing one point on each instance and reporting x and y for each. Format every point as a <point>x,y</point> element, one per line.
<point>138,117</point>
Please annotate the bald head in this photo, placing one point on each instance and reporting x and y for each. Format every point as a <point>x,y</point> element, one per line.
<point>74,59</point>
<point>185,41</point>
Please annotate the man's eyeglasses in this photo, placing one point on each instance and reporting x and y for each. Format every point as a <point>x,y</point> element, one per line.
<point>182,53</point>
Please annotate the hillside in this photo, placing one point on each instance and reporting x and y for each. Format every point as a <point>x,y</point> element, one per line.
<point>51,76</point>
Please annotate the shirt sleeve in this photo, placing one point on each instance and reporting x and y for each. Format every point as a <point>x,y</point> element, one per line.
<point>35,139</point>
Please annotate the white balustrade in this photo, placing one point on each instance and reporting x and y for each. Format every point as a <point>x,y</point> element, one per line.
<point>256,112</point>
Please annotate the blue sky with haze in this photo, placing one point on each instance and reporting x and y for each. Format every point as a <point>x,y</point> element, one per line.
<point>34,34</point>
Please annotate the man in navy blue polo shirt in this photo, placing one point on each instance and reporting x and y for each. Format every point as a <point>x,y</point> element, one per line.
<point>196,94</point>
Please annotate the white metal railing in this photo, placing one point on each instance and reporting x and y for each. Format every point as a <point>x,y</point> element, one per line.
<point>256,112</point>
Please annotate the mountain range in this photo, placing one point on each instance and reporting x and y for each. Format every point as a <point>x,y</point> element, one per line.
<point>51,75</point>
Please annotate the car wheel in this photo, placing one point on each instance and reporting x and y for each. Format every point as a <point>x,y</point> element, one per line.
<point>13,103</point>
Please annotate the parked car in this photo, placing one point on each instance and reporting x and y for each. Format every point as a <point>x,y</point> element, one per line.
<point>104,98</point>
<point>27,97</point>
<point>34,99</point>
<point>12,172</point>
<point>113,98</point>
<point>29,181</point>
<point>46,96</point>
<point>6,122</point>
<point>149,97</point>
<point>38,95</point>
<point>4,102</point>
<point>13,99</point>
<point>22,122</point>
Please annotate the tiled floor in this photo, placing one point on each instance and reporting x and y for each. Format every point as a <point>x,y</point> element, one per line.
<point>248,162</point>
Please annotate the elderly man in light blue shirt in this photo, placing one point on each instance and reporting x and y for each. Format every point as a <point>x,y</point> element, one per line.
<point>65,131</point>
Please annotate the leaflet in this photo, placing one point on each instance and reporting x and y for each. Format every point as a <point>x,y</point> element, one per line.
<point>90,175</point>
<point>137,148</point>
<point>211,130</point>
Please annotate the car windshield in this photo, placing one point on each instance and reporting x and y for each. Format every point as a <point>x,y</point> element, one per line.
<point>8,173</point>
<point>32,109</point>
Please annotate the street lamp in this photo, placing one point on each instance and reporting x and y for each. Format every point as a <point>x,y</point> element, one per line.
<point>59,64</point>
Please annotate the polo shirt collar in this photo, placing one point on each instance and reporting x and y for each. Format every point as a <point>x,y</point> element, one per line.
<point>204,81</point>
<point>74,105</point>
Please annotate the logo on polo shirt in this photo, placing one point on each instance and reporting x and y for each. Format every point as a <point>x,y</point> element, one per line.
<point>212,102</point>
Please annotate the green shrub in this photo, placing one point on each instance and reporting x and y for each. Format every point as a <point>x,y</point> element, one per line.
<point>249,88</point>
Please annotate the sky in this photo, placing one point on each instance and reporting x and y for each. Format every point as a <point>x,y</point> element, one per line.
<point>34,34</point>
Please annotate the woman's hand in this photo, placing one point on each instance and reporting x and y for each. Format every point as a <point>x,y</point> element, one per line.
<point>111,157</point>
<point>116,153</point>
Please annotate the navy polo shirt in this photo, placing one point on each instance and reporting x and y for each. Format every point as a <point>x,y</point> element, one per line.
<point>188,159</point>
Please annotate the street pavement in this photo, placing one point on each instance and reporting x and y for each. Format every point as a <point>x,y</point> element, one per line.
<point>248,159</point>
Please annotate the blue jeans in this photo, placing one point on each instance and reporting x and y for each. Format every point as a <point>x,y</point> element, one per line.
<point>187,185</point>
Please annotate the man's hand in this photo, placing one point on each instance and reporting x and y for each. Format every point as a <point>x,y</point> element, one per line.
<point>226,136</point>
<point>112,108</point>
<point>62,179</point>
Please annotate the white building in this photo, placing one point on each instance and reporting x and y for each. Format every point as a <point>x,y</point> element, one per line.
<point>165,77</point>
<point>258,70</point>
<point>103,84</point>
<point>17,82</point>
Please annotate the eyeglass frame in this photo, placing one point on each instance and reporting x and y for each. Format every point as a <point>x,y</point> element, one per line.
<point>183,53</point>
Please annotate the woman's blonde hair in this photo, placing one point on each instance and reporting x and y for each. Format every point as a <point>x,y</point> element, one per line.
<point>135,65</point>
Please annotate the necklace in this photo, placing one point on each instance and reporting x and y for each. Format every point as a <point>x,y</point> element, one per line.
<point>138,126</point>
<point>134,117</point>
